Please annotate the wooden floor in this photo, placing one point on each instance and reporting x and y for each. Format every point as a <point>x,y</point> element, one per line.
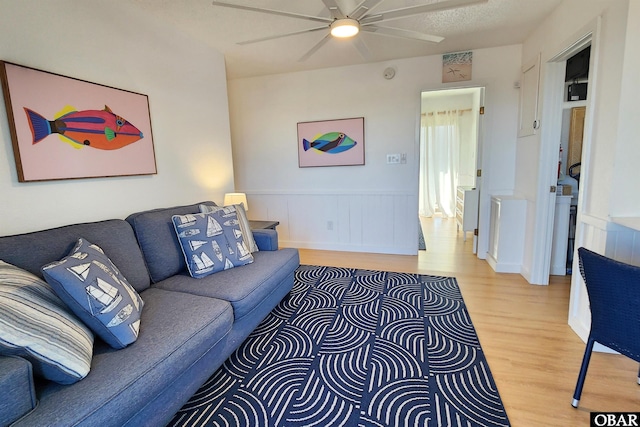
<point>532,352</point>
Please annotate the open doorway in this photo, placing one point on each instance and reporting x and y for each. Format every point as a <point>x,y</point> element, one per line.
<point>449,184</point>
<point>566,142</point>
<point>570,161</point>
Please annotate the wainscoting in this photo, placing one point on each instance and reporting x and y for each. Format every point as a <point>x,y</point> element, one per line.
<point>370,221</point>
<point>609,238</point>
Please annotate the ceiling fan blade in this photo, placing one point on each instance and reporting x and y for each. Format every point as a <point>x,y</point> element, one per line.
<point>364,8</point>
<point>315,48</point>
<point>336,12</point>
<point>273,12</point>
<point>414,10</point>
<point>278,36</point>
<point>406,34</point>
<point>362,48</point>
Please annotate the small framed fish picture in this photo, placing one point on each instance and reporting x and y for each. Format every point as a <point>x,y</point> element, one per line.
<point>331,143</point>
<point>66,128</point>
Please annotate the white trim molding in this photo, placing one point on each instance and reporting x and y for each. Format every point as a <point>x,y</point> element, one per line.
<point>351,221</point>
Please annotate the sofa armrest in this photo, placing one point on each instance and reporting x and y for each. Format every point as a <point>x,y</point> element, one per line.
<point>266,239</point>
<point>16,383</point>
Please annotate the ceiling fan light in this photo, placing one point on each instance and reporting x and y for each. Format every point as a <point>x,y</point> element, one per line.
<point>345,27</point>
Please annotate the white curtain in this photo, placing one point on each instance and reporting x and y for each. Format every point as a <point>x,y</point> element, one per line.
<point>439,162</point>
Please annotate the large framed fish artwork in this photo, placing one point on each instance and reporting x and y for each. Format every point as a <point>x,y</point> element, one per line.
<point>66,128</point>
<point>337,142</point>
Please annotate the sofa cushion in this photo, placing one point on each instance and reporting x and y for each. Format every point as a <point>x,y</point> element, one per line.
<point>243,222</point>
<point>31,251</point>
<point>177,330</point>
<point>211,242</point>
<point>36,324</point>
<point>243,287</point>
<point>157,238</point>
<point>95,290</point>
<point>18,392</point>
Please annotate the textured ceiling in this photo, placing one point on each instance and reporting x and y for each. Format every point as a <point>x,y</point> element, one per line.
<point>490,24</point>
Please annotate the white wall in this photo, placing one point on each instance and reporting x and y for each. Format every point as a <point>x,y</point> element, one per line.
<point>609,174</point>
<point>111,43</point>
<point>372,207</point>
<point>625,199</point>
<point>559,30</point>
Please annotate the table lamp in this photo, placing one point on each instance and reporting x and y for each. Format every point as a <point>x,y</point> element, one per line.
<point>236,199</point>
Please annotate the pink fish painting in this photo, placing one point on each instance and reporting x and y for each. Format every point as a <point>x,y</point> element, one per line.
<point>101,129</point>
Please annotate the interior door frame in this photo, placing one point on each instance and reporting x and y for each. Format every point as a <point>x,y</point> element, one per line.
<point>553,103</point>
<point>479,145</point>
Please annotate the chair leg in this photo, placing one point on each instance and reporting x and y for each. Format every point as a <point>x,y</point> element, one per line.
<point>583,372</point>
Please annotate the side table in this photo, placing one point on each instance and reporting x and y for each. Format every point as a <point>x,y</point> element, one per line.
<point>263,225</point>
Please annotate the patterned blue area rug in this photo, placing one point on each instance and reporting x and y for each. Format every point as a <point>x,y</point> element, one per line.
<point>352,347</point>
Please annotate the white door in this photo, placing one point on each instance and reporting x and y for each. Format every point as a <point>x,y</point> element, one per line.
<point>530,82</point>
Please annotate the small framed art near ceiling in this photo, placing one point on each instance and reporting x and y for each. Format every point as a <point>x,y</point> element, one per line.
<point>337,142</point>
<point>456,67</point>
<point>66,128</point>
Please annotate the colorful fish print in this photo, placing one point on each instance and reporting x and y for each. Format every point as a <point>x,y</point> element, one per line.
<point>332,143</point>
<point>100,129</point>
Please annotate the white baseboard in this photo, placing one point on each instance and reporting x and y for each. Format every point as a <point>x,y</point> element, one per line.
<point>503,267</point>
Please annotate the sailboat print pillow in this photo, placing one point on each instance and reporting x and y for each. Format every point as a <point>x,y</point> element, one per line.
<point>95,290</point>
<point>211,242</point>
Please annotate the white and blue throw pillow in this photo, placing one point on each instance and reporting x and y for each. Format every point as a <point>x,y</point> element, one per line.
<point>243,222</point>
<point>36,325</point>
<point>95,290</point>
<point>211,242</point>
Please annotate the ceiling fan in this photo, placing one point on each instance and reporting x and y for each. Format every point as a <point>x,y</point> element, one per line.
<point>362,18</point>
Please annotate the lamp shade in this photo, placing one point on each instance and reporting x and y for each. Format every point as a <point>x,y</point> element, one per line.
<point>345,27</point>
<point>236,199</point>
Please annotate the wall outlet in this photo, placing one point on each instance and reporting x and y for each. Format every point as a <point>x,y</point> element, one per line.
<point>393,159</point>
<point>329,225</point>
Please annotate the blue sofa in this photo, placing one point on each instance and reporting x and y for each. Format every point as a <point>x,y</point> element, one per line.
<point>189,327</point>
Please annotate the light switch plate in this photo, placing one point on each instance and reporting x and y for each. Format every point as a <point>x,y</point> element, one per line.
<point>393,158</point>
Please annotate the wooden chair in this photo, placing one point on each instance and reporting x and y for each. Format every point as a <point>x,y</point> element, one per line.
<point>613,288</point>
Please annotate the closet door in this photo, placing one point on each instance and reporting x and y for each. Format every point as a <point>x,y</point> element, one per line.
<point>529,86</point>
